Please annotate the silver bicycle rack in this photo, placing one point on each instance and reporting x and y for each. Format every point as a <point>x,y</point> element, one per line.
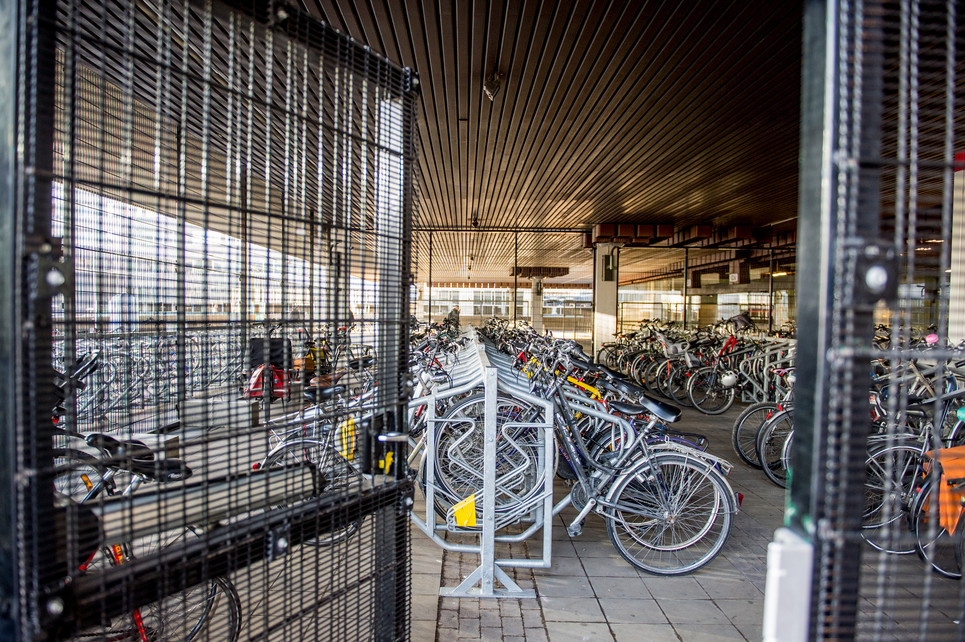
<point>478,369</point>
<point>778,353</point>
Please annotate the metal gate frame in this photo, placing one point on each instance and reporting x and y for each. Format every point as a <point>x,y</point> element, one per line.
<point>845,269</point>
<point>32,596</point>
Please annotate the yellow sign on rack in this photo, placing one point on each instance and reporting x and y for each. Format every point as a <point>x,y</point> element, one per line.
<point>465,511</point>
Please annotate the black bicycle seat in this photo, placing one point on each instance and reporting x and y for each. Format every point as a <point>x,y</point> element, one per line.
<point>120,449</point>
<point>627,408</point>
<point>161,470</point>
<point>322,394</point>
<point>358,364</point>
<point>663,410</point>
<point>610,372</point>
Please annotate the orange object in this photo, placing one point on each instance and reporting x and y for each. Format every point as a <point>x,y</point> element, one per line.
<point>952,466</point>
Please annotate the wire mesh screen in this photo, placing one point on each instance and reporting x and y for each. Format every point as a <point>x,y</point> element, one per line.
<point>876,485</point>
<point>218,202</point>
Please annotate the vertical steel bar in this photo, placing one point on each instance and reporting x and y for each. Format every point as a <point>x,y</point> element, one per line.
<point>9,558</point>
<point>515,273</point>
<point>429,315</point>
<point>686,262</point>
<point>487,541</point>
<point>770,292</point>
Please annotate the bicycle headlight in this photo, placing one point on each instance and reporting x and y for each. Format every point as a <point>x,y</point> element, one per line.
<point>729,380</point>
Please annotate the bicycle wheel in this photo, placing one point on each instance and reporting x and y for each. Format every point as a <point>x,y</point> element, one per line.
<point>670,514</point>
<point>663,379</point>
<point>772,442</point>
<point>890,477</point>
<point>650,375</point>
<point>340,475</point>
<point>75,473</point>
<point>608,355</point>
<point>677,385</point>
<point>743,436</point>
<point>707,393</point>
<point>639,366</point>
<point>932,541</point>
<point>210,610</point>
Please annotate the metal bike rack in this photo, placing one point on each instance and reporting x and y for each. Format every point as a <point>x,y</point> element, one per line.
<point>477,368</point>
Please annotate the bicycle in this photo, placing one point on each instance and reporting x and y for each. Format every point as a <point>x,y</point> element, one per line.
<point>211,606</point>
<point>668,512</point>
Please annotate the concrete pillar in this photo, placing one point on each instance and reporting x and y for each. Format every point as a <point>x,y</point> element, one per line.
<point>956,300</point>
<point>606,278</point>
<point>708,310</point>
<point>536,302</point>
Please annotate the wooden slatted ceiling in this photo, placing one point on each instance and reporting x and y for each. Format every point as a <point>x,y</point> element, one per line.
<point>646,112</point>
<point>487,257</point>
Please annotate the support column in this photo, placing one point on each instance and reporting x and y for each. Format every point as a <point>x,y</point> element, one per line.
<point>708,310</point>
<point>956,300</point>
<point>537,304</point>
<point>606,278</point>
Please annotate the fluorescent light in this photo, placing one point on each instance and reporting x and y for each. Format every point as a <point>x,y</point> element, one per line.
<point>779,274</point>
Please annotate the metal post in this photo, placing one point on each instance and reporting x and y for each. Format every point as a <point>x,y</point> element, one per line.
<point>770,293</point>
<point>429,314</point>
<point>515,273</point>
<point>840,135</point>
<point>686,289</point>
<point>488,540</point>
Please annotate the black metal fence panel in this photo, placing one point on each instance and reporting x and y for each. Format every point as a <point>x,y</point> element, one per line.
<point>879,384</point>
<point>213,229</point>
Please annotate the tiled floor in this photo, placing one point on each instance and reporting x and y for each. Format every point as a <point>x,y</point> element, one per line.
<point>591,593</point>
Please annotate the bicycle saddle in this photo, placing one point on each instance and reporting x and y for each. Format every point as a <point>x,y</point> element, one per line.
<point>663,411</point>
<point>358,364</point>
<point>584,364</point>
<point>160,470</point>
<point>120,449</point>
<point>322,394</point>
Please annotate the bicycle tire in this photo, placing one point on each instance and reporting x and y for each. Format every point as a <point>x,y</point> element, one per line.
<point>340,475</point>
<point>743,435</point>
<point>891,474</point>
<point>707,393</point>
<point>650,375</point>
<point>771,446</point>
<point>670,514</point>
<point>75,472</point>
<point>639,366</point>
<point>677,385</point>
<point>932,542</point>
<point>214,608</point>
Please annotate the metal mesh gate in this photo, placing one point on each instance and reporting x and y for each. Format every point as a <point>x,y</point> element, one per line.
<point>212,215</point>
<point>882,114</point>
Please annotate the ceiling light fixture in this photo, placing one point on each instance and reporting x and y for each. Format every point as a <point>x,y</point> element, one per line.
<point>492,84</point>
